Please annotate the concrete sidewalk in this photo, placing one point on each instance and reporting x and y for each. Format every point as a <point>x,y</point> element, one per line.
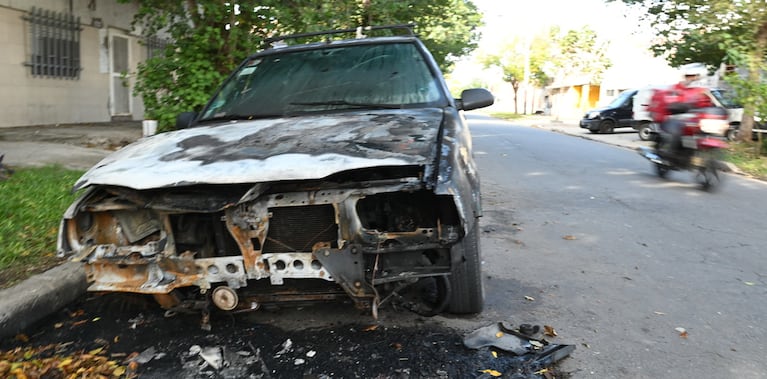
<point>74,146</point>
<point>79,147</point>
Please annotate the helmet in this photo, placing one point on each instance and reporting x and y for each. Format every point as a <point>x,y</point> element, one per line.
<point>693,72</point>
<point>694,69</point>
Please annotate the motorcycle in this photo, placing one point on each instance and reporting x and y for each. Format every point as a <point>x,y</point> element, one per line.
<point>699,149</point>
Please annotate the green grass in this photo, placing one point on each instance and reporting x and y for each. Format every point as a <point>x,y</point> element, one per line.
<point>32,202</point>
<point>745,157</point>
<point>508,115</point>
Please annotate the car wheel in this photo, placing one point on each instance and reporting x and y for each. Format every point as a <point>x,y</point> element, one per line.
<point>645,131</point>
<point>467,293</point>
<point>607,126</point>
<point>732,134</point>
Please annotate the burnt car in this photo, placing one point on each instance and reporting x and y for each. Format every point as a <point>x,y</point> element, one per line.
<point>339,169</point>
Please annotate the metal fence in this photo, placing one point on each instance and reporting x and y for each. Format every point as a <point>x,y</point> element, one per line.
<point>54,44</point>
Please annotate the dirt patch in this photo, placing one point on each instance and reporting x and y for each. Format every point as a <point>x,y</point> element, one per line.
<point>11,276</point>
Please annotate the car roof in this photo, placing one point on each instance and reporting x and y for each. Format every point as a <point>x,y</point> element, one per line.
<point>339,43</point>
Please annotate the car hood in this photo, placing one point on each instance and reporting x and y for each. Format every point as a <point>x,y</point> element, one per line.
<point>290,148</point>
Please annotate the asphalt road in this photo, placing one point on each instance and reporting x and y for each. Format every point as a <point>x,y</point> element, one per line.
<point>619,261</point>
<point>649,278</point>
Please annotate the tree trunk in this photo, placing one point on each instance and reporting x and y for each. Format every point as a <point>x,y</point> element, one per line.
<point>515,86</point>
<point>754,76</point>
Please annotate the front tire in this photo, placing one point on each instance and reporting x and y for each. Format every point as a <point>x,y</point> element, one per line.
<point>607,126</point>
<point>467,293</point>
<point>709,177</point>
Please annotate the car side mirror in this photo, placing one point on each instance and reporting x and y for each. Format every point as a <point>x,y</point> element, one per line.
<point>475,98</point>
<point>185,119</point>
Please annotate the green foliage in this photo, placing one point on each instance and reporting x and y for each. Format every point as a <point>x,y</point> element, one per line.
<point>31,206</point>
<point>207,39</point>
<point>544,56</point>
<point>580,54</point>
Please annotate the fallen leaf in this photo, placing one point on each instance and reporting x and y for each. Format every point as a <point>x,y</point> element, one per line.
<point>569,237</point>
<point>21,337</point>
<point>78,323</point>
<point>549,331</point>
<point>749,283</point>
<point>396,345</point>
<point>96,351</point>
<point>58,325</point>
<point>682,332</point>
<point>536,344</point>
<point>495,355</point>
<point>370,328</point>
<point>76,313</point>
<point>96,319</point>
<point>499,335</point>
<point>491,372</point>
<point>116,339</point>
<point>659,313</point>
<point>529,298</point>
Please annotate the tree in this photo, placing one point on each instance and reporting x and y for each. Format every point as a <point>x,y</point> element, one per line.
<point>580,54</point>
<point>206,39</point>
<point>549,54</point>
<point>715,32</point>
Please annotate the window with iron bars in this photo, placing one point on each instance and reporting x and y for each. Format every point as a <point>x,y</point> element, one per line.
<point>155,46</point>
<point>54,44</point>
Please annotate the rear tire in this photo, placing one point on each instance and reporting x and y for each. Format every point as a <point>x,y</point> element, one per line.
<point>709,177</point>
<point>661,170</point>
<point>732,134</point>
<point>467,293</point>
<point>645,131</point>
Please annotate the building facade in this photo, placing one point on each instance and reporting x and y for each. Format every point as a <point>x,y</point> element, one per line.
<point>68,61</point>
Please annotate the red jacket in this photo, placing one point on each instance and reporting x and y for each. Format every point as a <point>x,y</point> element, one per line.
<point>696,97</point>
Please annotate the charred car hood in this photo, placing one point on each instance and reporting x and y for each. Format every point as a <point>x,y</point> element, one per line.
<point>291,148</point>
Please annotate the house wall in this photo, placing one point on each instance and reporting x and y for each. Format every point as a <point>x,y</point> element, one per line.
<point>36,100</point>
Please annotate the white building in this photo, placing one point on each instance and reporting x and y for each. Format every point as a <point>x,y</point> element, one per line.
<point>67,61</point>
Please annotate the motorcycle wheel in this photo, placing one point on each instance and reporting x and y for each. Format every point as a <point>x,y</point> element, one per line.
<point>708,176</point>
<point>661,170</point>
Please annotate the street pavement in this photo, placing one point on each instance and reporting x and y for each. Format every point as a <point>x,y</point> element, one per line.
<point>80,146</point>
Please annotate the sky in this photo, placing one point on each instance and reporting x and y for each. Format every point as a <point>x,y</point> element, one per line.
<point>633,64</point>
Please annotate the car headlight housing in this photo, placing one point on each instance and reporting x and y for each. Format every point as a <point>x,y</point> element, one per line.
<point>593,115</point>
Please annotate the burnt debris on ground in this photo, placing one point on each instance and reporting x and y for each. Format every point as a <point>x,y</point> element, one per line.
<point>135,332</point>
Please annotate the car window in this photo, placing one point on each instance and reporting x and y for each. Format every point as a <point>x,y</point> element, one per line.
<point>622,99</point>
<point>381,75</point>
<point>725,98</point>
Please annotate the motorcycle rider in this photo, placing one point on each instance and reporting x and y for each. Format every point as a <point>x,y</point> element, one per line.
<point>679,98</point>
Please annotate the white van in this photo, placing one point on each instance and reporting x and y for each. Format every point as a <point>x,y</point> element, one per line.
<point>720,97</point>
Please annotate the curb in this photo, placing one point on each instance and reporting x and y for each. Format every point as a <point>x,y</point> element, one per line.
<point>37,297</point>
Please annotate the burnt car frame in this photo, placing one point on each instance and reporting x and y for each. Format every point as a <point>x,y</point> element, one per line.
<point>339,169</point>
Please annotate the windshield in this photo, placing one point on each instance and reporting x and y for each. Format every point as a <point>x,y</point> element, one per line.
<point>621,99</point>
<point>392,75</point>
<point>725,98</point>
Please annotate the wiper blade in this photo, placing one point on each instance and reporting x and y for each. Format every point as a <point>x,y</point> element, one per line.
<point>231,117</point>
<point>349,103</point>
